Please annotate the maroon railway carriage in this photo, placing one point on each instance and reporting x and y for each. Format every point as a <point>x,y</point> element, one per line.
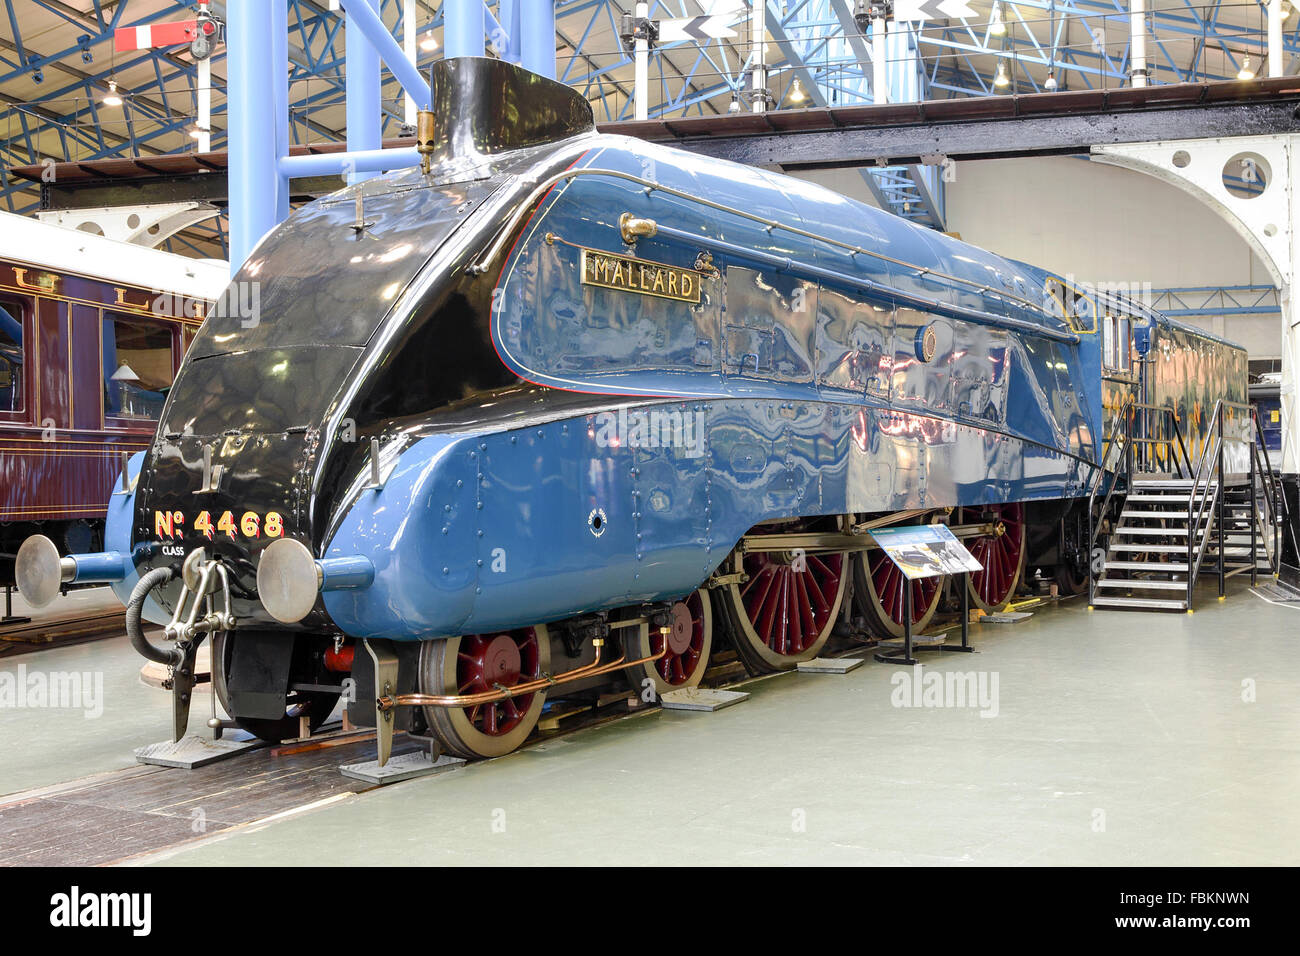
<point>91,334</point>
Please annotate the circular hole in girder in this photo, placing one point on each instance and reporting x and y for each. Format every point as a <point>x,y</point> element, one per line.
<point>1246,175</point>
<point>1182,159</point>
<point>92,228</point>
<point>153,230</point>
<point>1270,230</point>
<point>132,221</point>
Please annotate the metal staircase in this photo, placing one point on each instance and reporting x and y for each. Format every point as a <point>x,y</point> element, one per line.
<point>1175,515</point>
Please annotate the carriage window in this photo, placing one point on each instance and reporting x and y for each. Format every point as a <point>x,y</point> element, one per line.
<point>11,357</point>
<point>1123,345</point>
<point>137,366</point>
<point>1073,305</point>
<point>1108,342</point>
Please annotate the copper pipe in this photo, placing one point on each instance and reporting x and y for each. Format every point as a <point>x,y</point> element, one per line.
<point>594,669</point>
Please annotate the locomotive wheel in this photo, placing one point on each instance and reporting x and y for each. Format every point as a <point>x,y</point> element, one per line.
<point>317,705</point>
<point>1070,579</point>
<point>784,612</point>
<point>689,644</point>
<point>1002,554</point>
<point>474,663</point>
<point>878,595</point>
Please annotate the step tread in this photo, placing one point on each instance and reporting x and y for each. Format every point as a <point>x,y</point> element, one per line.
<point>1169,566</point>
<point>1140,584</point>
<point>1105,601</point>
<point>1173,532</point>
<point>1151,548</point>
<point>1154,514</point>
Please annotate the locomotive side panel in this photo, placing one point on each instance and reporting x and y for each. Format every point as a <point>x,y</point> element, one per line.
<point>1190,371</point>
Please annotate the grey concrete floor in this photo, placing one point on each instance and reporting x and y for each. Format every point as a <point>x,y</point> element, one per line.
<point>40,746</point>
<point>1119,738</point>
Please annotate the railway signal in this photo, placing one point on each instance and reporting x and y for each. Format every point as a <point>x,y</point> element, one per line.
<point>201,34</point>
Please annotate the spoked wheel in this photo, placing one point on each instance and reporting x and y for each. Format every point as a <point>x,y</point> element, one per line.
<point>785,610</point>
<point>1002,553</point>
<point>690,639</point>
<point>473,664</point>
<point>878,595</point>
<point>316,706</point>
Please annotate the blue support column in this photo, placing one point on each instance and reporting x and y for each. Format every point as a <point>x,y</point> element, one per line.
<point>463,28</point>
<point>537,43</point>
<point>508,41</point>
<point>363,19</point>
<point>258,194</point>
<point>363,107</point>
<point>280,78</point>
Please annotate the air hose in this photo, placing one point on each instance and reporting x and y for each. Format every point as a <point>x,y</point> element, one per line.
<point>134,606</point>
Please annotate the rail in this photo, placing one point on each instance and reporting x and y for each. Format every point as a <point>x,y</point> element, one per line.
<point>1120,418</point>
<point>1265,496</point>
<point>1133,416</point>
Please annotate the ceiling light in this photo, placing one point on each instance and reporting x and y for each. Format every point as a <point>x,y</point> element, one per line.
<point>1051,84</point>
<point>427,42</point>
<point>997,26</point>
<point>111,98</point>
<point>1247,72</point>
<point>734,106</point>
<point>797,95</point>
<point>1002,79</point>
<point>1287,10</point>
<point>196,131</point>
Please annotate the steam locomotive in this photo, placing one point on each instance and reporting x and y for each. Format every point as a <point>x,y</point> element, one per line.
<point>568,408</point>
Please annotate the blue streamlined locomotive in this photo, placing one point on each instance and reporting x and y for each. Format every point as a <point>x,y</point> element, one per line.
<point>553,410</point>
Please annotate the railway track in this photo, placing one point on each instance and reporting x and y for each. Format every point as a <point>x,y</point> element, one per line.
<point>141,811</point>
<point>38,635</point>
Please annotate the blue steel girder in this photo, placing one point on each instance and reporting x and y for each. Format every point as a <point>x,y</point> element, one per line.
<point>815,41</point>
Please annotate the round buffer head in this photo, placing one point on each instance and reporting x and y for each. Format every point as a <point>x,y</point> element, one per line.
<point>38,571</point>
<point>287,580</point>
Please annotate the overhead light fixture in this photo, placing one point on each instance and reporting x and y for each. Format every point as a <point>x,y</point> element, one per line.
<point>1247,72</point>
<point>427,42</point>
<point>196,131</point>
<point>734,106</point>
<point>1051,84</point>
<point>1002,78</point>
<point>797,94</point>
<point>997,26</point>
<point>1287,10</point>
<point>111,98</point>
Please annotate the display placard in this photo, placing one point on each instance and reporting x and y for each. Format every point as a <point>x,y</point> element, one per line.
<point>925,550</point>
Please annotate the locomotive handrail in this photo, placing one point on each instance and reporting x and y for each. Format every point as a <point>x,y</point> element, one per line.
<point>542,187</point>
<point>1121,416</point>
<point>1279,513</point>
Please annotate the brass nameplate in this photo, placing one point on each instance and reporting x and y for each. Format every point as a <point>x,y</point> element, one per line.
<point>635,275</point>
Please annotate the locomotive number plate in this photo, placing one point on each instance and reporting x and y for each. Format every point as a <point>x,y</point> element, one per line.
<point>635,275</point>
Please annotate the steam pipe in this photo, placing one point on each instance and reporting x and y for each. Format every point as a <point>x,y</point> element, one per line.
<point>134,606</point>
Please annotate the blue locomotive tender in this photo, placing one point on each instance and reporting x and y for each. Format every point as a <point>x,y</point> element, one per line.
<point>567,408</point>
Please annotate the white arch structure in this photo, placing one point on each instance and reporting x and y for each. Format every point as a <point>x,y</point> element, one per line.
<point>1267,221</point>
